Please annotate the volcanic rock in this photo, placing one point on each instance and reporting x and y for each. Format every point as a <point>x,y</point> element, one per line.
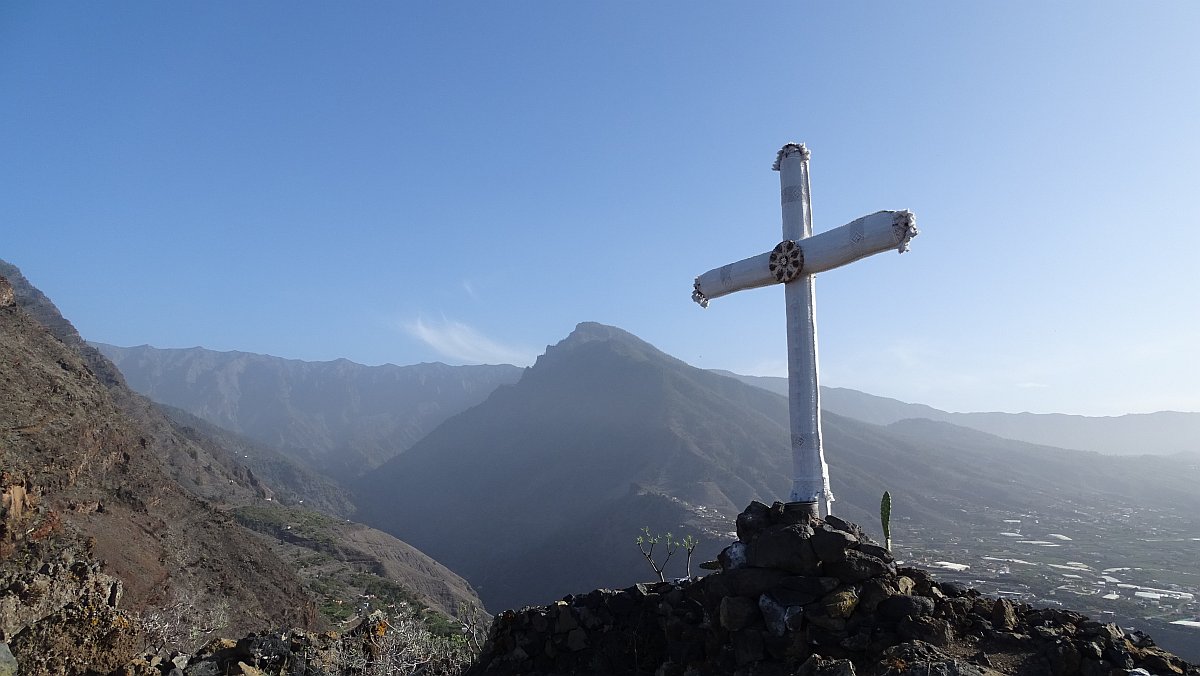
<point>848,612</point>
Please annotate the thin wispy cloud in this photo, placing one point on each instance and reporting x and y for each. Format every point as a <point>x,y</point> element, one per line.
<point>470,289</point>
<point>460,342</point>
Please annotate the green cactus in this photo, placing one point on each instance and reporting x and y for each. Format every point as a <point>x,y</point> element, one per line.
<point>885,518</point>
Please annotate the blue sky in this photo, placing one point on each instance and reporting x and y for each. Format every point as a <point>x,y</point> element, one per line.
<point>464,182</point>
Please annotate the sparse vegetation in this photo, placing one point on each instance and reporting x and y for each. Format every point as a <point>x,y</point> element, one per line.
<point>184,623</point>
<point>404,645</point>
<point>689,545</point>
<point>279,520</point>
<point>345,591</point>
<point>647,542</point>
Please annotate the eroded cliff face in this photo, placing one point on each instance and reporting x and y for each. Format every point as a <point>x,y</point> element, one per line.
<point>79,474</point>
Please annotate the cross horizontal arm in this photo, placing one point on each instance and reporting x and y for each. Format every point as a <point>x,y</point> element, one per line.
<point>857,239</point>
<point>749,273</point>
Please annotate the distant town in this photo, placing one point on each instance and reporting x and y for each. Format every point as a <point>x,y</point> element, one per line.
<point>1133,566</point>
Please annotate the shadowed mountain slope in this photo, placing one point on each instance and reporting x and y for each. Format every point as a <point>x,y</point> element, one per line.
<point>540,490</point>
<point>340,417</point>
<point>559,462</point>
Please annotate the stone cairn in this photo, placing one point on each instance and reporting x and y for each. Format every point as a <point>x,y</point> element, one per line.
<point>801,596</point>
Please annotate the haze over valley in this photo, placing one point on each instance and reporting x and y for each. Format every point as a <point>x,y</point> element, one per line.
<point>606,434</point>
<point>504,487</point>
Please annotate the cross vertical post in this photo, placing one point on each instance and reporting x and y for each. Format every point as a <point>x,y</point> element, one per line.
<point>810,479</point>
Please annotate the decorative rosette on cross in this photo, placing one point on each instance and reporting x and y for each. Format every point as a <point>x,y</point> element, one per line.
<point>786,261</point>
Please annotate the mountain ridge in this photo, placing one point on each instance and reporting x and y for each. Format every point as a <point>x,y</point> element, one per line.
<point>336,416</point>
<point>1160,432</point>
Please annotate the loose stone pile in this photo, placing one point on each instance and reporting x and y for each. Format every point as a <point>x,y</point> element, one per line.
<point>62,617</point>
<point>801,596</point>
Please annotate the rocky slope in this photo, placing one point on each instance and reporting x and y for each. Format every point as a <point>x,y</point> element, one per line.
<point>81,472</point>
<point>209,471</point>
<point>343,562</point>
<point>62,617</point>
<point>290,482</point>
<point>339,417</point>
<point>93,475</point>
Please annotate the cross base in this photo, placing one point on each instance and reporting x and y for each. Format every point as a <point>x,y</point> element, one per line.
<point>799,512</point>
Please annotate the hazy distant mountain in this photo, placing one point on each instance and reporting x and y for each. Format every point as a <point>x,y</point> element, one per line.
<point>1162,433</point>
<point>341,417</point>
<point>540,490</point>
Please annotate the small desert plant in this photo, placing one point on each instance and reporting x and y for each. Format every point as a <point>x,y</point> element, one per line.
<point>647,541</point>
<point>885,518</point>
<point>474,628</point>
<point>648,538</point>
<point>689,545</point>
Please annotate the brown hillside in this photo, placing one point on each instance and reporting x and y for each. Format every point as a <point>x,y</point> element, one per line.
<point>84,460</point>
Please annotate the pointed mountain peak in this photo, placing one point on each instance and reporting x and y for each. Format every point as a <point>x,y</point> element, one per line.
<point>595,338</point>
<point>587,331</point>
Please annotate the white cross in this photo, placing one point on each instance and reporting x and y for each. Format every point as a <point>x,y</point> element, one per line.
<point>793,262</point>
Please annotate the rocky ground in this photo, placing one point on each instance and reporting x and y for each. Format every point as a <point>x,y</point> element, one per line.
<point>376,646</point>
<point>62,617</point>
<point>794,597</point>
<point>799,596</point>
